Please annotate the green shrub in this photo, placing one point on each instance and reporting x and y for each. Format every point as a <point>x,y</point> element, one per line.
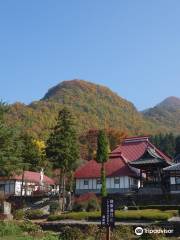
<point>34,214</point>
<point>54,207</point>
<point>89,205</point>
<point>71,233</point>
<point>150,214</point>
<point>160,207</point>
<point>29,227</point>
<point>78,207</point>
<point>93,205</point>
<point>19,214</point>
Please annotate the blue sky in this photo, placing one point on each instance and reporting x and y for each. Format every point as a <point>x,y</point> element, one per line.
<point>131,46</point>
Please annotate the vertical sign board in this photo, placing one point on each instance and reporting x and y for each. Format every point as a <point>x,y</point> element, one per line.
<point>107,212</point>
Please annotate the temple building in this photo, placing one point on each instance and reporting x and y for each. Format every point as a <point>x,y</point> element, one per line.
<point>135,165</point>
<point>173,173</point>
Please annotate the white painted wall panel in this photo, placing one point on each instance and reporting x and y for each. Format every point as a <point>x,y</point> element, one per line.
<point>90,184</point>
<point>126,182</point>
<point>121,182</point>
<point>94,183</point>
<point>112,183</point>
<point>77,186</point>
<point>172,180</point>
<point>108,182</point>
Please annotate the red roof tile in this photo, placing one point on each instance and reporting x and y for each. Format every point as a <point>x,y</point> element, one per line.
<point>133,148</point>
<point>33,177</point>
<point>114,167</point>
<point>130,150</point>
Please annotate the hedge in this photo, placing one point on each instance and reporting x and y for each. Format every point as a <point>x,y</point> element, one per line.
<point>160,207</point>
<point>151,214</point>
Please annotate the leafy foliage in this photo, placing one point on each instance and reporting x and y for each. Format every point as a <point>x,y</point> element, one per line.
<point>165,115</point>
<point>10,147</point>
<point>165,142</point>
<point>102,157</point>
<point>62,146</point>
<point>94,106</point>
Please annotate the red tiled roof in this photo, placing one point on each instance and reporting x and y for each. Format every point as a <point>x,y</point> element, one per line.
<point>114,167</point>
<point>133,148</point>
<point>130,150</point>
<point>33,177</point>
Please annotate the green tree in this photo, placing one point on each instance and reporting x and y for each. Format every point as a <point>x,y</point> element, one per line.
<point>63,148</point>
<point>165,142</point>
<point>102,157</point>
<point>30,153</point>
<point>10,147</point>
<point>177,146</point>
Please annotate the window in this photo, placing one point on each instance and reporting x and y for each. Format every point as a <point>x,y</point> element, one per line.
<point>98,181</point>
<point>116,180</point>
<point>177,180</point>
<point>86,182</point>
<point>135,181</point>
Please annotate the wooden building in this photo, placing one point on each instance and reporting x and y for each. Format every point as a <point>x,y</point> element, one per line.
<point>30,184</point>
<point>173,173</point>
<point>136,164</point>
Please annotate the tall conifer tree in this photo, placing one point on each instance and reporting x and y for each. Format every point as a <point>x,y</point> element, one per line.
<point>10,147</point>
<point>62,146</point>
<point>102,157</point>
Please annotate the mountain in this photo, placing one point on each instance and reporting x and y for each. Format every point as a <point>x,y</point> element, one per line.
<point>94,106</point>
<point>166,114</point>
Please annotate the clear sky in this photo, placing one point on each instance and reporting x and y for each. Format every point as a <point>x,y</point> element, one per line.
<point>131,46</point>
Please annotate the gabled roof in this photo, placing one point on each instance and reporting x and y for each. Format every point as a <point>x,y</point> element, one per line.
<point>114,167</point>
<point>131,150</point>
<point>135,147</point>
<point>32,177</point>
<point>174,167</point>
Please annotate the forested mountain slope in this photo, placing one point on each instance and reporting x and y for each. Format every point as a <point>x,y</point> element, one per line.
<point>94,106</point>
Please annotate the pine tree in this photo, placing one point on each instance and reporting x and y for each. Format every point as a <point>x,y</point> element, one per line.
<point>10,147</point>
<point>102,157</point>
<point>30,153</point>
<point>62,146</point>
<point>177,146</point>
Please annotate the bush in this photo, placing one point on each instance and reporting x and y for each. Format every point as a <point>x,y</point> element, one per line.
<point>34,214</point>
<point>78,207</point>
<point>160,207</point>
<point>54,207</point>
<point>89,205</point>
<point>19,214</point>
<point>70,233</point>
<point>29,227</point>
<point>93,205</point>
<point>151,214</point>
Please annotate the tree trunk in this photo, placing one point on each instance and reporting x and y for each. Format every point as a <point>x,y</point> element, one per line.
<point>103,181</point>
<point>64,191</point>
<point>22,183</point>
<point>60,185</point>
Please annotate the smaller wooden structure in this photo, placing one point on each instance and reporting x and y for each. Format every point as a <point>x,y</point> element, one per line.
<point>173,173</point>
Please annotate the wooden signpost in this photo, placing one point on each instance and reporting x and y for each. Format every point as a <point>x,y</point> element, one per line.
<point>107,215</point>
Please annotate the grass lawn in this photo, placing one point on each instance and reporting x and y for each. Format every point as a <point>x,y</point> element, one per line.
<point>121,215</point>
<point>14,230</point>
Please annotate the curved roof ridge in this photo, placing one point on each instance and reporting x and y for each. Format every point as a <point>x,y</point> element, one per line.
<point>163,155</point>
